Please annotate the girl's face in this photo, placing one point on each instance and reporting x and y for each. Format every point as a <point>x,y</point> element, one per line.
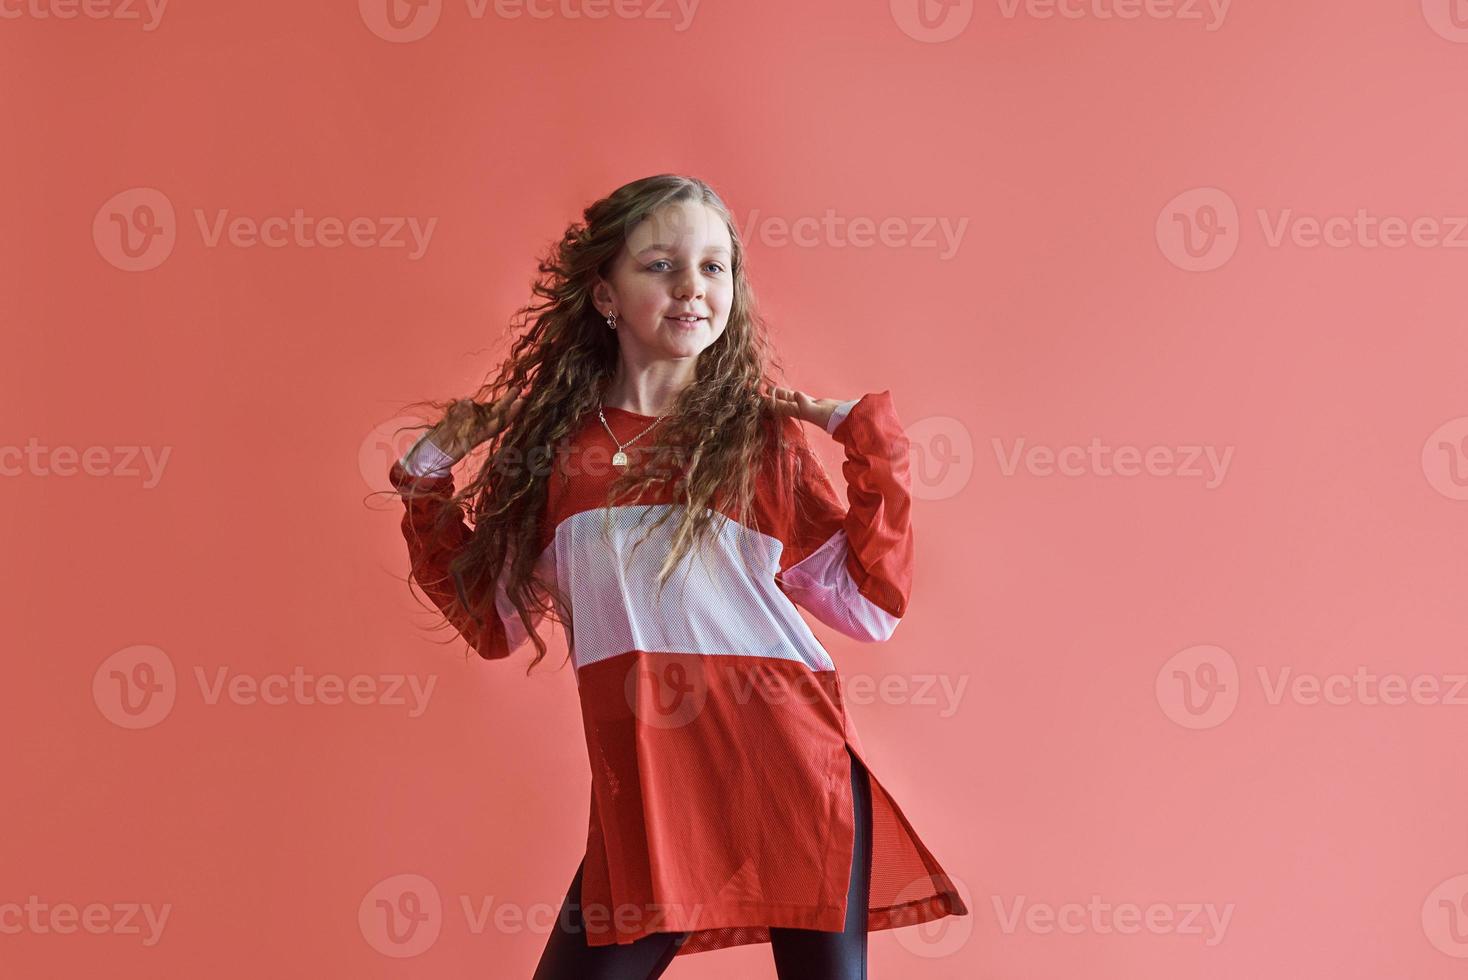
<point>676,263</point>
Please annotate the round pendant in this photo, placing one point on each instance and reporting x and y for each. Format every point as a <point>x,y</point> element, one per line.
<point>619,458</point>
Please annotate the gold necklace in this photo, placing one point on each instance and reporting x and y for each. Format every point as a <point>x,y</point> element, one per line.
<point>619,458</point>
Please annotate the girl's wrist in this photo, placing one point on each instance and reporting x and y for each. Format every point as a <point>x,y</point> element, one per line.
<point>426,458</point>
<point>446,445</point>
<point>839,410</point>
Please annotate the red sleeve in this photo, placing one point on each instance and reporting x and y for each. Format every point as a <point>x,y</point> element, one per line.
<point>851,566</point>
<point>434,537</point>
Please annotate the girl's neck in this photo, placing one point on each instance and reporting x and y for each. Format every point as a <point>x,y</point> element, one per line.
<point>650,397</point>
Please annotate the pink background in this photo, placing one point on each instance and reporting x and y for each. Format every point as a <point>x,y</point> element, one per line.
<point>1082,303</point>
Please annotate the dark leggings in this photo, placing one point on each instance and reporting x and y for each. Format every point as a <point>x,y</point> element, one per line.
<point>808,954</point>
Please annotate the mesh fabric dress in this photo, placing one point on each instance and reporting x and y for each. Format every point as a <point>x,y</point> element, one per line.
<point>715,720</point>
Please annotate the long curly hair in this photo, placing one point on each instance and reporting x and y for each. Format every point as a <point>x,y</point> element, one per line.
<point>720,434</point>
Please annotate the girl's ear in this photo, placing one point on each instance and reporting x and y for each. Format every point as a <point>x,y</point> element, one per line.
<point>601,295</point>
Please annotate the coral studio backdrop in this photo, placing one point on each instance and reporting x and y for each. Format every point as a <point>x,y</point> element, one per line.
<point>1167,296</point>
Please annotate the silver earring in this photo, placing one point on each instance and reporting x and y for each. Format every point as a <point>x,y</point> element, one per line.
<point>612,320</point>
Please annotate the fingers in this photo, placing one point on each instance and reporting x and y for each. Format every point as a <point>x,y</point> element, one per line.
<point>503,402</point>
<point>789,401</point>
<point>505,407</point>
<point>488,418</point>
<point>782,406</point>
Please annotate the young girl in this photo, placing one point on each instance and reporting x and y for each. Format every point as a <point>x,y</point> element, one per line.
<point>730,800</point>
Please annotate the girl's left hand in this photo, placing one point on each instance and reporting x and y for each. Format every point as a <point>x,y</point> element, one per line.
<point>790,401</point>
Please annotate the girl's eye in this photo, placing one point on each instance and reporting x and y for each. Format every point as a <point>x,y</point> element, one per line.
<point>659,262</point>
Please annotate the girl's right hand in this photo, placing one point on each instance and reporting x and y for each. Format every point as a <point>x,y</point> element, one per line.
<point>467,423</point>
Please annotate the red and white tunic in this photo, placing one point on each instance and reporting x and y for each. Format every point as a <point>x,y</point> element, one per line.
<point>716,722</point>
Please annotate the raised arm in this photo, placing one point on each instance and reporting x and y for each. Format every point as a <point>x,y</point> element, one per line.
<point>424,479</point>
<point>851,565</point>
